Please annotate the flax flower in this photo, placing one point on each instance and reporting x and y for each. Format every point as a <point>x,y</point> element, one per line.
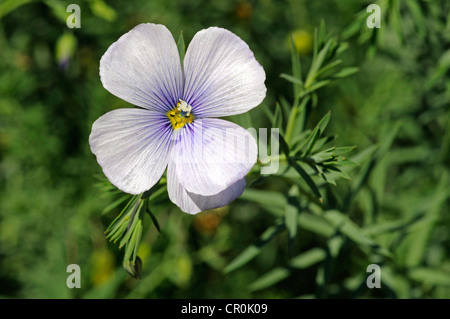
<point>176,125</point>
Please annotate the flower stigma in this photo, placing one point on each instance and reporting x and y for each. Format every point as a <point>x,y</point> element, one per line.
<point>180,115</point>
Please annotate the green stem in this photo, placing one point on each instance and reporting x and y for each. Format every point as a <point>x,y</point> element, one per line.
<point>290,124</point>
<point>294,113</point>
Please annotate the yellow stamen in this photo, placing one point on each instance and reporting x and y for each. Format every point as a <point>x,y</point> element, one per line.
<point>179,116</point>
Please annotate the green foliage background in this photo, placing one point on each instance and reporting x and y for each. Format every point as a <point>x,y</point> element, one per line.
<point>276,241</point>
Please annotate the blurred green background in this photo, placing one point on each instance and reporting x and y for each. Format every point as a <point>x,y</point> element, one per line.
<point>398,198</point>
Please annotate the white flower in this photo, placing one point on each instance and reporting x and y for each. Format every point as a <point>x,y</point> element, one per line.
<point>219,77</point>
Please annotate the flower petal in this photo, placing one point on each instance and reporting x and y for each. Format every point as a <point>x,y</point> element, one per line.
<point>143,68</point>
<point>132,146</point>
<point>222,76</point>
<point>192,203</point>
<point>213,154</point>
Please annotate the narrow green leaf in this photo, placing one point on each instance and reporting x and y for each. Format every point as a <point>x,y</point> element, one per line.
<point>291,215</point>
<point>285,106</point>
<point>318,85</point>
<point>418,240</point>
<point>302,261</point>
<point>296,68</point>
<point>345,72</point>
<point>316,224</point>
<point>138,236</point>
<point>311,141</point>
<point>159,194</point>
<point>58,9</point>
<point>9,5</point>
<point>271,278</point>
<point>298,123</point>
<point>387,139</point>
<point>317,132</point>
<point>355,26</point>
<point>341,174</point>
<point>100,9</point>
<point>324,122</point>
<point>314,99</point>
<point>321,142</point>
<point>252,251</point>
<point>328,67</point>
<point>267,111</point>
<point>270,201</point>
<point>131,262</point>
<point>283,144</point>
<point>118,232</point>
<point>291,79</point>
<point>439,71</point>
<point>335,244</point>
<point>324,155</point>
<point>306,177</point>
<point>299,141</point>
<point>135,217</point>
<point>328,178</point>
<point>316,65</point>
<point>154,220</point>
<point>395,19</point>
<point>316,44</point>
<point>277,120</point>
<point>114,204</point>
<point>343,46</point>
<point>393,226</point>
<point>365,154</point>
<point>115,223</point>
<point>353,231</point>
<point>343,150</point>
<point>290,220</point>
<point>308,258</point>
<point>435,277</point>
<point>348,228</point>
<point>321,35</point>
